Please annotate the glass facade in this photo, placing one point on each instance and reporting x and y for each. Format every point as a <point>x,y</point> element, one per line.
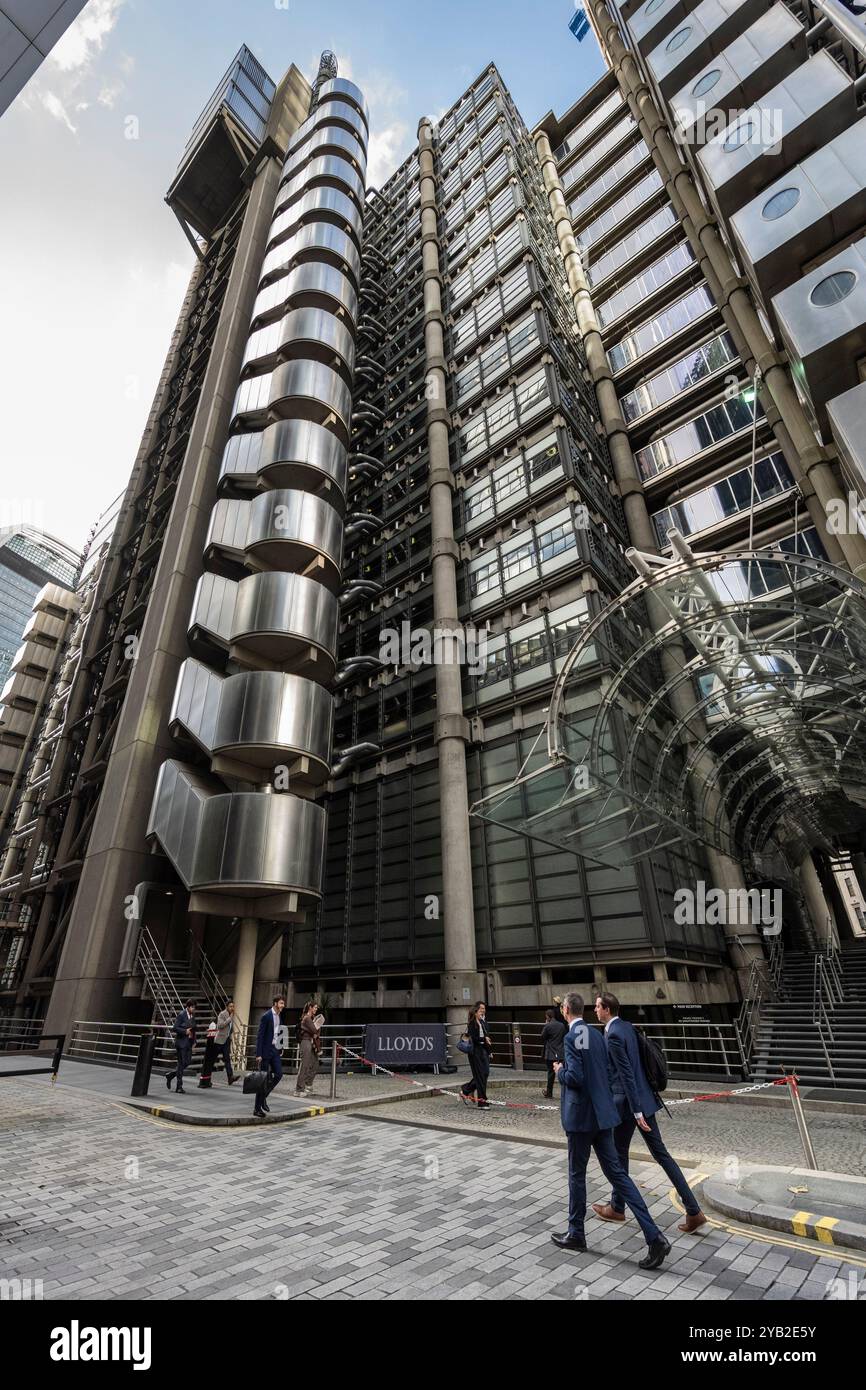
<point>28,560</point>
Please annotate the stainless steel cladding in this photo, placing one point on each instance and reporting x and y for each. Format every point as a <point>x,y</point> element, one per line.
<point>263,630</point>
<point>822,319</point>
<point>225,842</point>
<point>315,285</point>
<point>282,620</point>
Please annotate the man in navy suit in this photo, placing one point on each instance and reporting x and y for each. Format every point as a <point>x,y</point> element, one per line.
<point>588,1115</point>
<point>637,1106</point>
<point>184,1041</point>
<point>268,1047</point>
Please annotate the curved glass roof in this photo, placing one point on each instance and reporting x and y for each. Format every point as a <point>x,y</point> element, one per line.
<point>733,714</point>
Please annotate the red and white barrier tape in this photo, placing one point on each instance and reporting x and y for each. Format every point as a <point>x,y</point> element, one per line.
<point>530,1105</point>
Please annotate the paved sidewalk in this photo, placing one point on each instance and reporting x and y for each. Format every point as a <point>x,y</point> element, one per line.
<point>221,1103</point>
<point>100,1202</point>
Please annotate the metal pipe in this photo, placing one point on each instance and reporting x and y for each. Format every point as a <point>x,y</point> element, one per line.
<point>800,1117</point>
<point>461,981</point>
<point>843,22</point>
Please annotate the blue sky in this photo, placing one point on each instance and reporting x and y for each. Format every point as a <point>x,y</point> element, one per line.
<point>92,263</point>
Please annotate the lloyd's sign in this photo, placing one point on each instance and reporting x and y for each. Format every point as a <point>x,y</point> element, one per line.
<point>406,1044</point>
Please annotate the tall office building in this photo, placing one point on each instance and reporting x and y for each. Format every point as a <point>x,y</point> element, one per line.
<point>29,558</point>
<point>708,198</point>
<point>460,415</point>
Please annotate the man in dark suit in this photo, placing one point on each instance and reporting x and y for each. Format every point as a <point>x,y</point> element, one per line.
<point>184,1041</point>
<point>588,1115</point>
<point>637,1106</point>
<point>552,1034</point>
<point>268,1047</point>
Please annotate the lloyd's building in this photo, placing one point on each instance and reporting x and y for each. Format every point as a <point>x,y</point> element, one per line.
<point>593,392</point>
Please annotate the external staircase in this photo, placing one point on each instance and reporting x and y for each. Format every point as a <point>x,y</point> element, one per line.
<point>815,1024</point>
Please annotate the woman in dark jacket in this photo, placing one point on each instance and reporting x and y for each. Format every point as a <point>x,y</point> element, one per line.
<point>552,1042</point>
<point>479,1057</point>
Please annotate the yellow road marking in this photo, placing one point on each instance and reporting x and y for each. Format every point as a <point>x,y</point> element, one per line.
<point>824,1229</point>
<point>800,1221</point>
<point>735,1228</point>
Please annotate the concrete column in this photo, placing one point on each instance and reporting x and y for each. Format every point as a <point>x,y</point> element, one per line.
<point>820,910</point>
<point>743,939</point>
<point>452,728</point>
<point>245,969</point>
<point>805,456</point>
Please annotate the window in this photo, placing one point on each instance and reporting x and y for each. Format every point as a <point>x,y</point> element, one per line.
<point>678,39</point>
<point>725,498</point>
<point>697,365</point>
<point>642,286</point>
<point>624,250</point>
<point>707,82</point>
<point>741,136</point>
<point>834,288</point>
<point>658,329</point>
<point>686,441</point>
<point>780,203</point>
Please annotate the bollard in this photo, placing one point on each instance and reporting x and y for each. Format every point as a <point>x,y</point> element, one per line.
<point>800,1117</point>
<point>143,1064</point>
<point>518,1051</point>
<point>335,1052</point>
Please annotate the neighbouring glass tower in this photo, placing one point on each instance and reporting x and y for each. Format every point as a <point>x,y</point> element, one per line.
<point>486,397</point>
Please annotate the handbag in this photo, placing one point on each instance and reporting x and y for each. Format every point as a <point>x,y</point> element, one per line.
<point>255,1081</point>
<point>465,1044</point>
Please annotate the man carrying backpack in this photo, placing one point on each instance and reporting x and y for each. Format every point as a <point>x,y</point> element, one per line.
<point>637,1103</point>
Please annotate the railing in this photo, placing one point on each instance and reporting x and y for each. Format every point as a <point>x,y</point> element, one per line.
<point>692,1049</point>
<point>776,966</point>
<point>746,1024</point>
<point>116,1044</point>
<point>823,993</point>
<point>20,1030</point>
<point>166,1000</point>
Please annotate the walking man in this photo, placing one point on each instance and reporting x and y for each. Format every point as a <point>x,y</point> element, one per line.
<point>588,1116</point>
<point>637,1107</point>
<point>552,1034</point>
<point>184,1041</point>
<point>269,1044</point>
<point>224,1030</point>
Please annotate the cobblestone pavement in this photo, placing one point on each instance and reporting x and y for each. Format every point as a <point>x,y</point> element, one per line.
<point>102,1203</point>
<point>706,1132</point>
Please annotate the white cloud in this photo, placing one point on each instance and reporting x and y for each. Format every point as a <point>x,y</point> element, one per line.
<point>386,151</point>
<point>391,136</point>
<point>86,36</point>
<point>54,106</point>
<point>109,93</point>
<point>70,68</point>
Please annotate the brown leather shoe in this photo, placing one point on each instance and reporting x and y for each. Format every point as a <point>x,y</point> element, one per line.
<point>692,1223</point>
<point>607,1213</point>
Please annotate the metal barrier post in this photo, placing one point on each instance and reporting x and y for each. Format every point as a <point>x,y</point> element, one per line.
<point>335,1053</point>
<point>58,1053</point>
<point>518,1051</point>
<point>144,1064</point>
<point>800,1117</point>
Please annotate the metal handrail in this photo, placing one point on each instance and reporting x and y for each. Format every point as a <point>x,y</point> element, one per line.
<point>696,1049</point>
<point>17,1028</point>
<point>820,1016</point>
<point>753,998</point>
<point>776,965</point>
<point>158,980</point>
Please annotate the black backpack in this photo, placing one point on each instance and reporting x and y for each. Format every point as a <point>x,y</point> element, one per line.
<point>653,1061</point>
